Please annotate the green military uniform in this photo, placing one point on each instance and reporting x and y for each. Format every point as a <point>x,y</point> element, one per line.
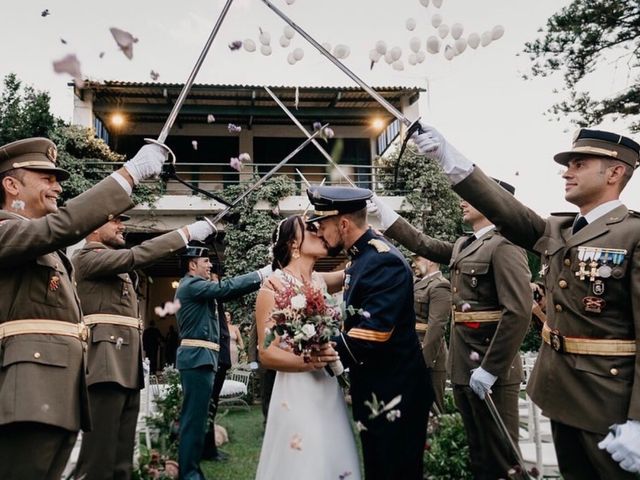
<point>432,297</point>
<point>491,303</point>
<point>43,396</point>
<point>197,357</point>
<point>587,376</point>
<point>114,358</point>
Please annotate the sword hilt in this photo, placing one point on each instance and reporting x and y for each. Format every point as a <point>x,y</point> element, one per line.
<point>415,127</point>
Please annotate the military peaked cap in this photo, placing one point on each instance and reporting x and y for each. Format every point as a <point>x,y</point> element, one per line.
<point>599,143</point>
<point>33,154</point>
<point>195,250</point>
<point>331,201</point>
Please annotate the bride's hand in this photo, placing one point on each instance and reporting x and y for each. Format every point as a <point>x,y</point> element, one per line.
<point>323,355</point>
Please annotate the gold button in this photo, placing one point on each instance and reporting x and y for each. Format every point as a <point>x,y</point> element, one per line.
<point>110,217</point>
<point>112,337</point>
<point>36,355</point>
<point>614,371</point>
<point>567,262</point>
<point>558,308</point>
<point>562,284</point>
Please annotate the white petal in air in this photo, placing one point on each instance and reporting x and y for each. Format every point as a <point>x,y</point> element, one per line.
<point>414,44</point>
<point>437,3</point>
<point>486,38</point>
<point>497,32</point>
<point>436,20</point>
<point>421,56</point>
<point>124,40</point>
<point>71,65</point>
<point>194,144</point>
<point>449,52</point>
<point>244,157</point>
<point>284,41</point>
<point>413,59</point>
<point>443,30</point>
<point>474,40</point>
<point>456,30</point>
<point>396,53</point>
<point>249,45</point>
<point>398,65</point>
<point>298,54</point>
<point>410,24</point>
<point>265,50</point>
<point>211,118</point>
<point>433,44</point>
<point>265,38</point>
<point>460,45</point>
<point>381,47</point>
<point>290,59</point>
<point>289,32</point>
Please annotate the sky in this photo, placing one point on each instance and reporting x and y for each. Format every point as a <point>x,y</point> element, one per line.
<point>478,100</point>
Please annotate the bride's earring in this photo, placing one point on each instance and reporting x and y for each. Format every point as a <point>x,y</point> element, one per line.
<point>296,253</point>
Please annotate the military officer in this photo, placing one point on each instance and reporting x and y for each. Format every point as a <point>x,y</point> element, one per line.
<point>587,377</point>
<point>491,304</point>
<point>43,396</point>
<point>379,343</point>
<point>432,297</point>
<point>197,357</point>
<point>109,302</point>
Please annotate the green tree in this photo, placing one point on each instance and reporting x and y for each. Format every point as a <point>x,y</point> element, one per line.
<point>581,38</point>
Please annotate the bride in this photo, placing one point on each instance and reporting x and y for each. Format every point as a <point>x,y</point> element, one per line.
<point>308,433</point>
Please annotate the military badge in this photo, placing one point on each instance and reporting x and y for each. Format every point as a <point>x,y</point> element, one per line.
<point>379,245</point>
<point>543,270</point>
<point>52,154</point>
<point>347,280</point>
<point>593,304</point>
<point>599,262</point>
<point>598,287</point>
<point>474,282</point>
<point>54,283</point>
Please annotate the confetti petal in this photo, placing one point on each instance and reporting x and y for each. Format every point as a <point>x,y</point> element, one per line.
<point>474,356</point>
<point>63,41</point>
<point>211,118</point>
<point>124,40</point>
<point>71,65</point>
<point>235,163</point>
<point>154,75</point>
<point>194,144</point>
<point>234,128</point>
<point>45,13</point>
<point>296,442</point>
<point>244,157</point>
<point>235,45</point>
<point>170,308</point>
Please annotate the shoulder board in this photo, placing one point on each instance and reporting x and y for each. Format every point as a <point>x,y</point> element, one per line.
<point>379,245</point>
<point>564,214</point>
<point>633,213</point>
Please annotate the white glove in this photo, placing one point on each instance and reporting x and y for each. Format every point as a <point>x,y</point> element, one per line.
<point>265,272</point>
<point>147,163</point>
<point>623,443</point>
<point>481,382</point>
<point>199,230</point>
<point>385,213</point>
<point>432,144</point>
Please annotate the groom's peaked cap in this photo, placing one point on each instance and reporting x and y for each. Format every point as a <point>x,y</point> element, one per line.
<point>331,201</point>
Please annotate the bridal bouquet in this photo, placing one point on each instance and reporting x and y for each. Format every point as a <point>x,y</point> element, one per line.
<point>306,317</point>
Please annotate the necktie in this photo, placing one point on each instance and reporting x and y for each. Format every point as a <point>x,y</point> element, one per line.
<point>579,224</point>
<point>468,241</point>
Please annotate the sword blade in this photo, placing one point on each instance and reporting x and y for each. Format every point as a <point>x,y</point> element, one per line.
<point>315,143</point>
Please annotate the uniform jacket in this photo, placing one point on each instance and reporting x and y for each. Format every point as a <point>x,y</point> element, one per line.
<point>491,274</point>
<point>42,377</point>
<point>198,318</point>
<point>379,342</point>
<point>432,296</point>
<point>105,286</point>
<point>589,392</point>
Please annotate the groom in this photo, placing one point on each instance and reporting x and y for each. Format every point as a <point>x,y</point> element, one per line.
<point>379,343</point>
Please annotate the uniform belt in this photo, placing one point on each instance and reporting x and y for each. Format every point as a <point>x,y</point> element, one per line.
<point>587,346</point>
<point>98,318</point>
<point>480,317</point>
<point>46,327</point>
<point>191,342</point>
<point>421,327</point>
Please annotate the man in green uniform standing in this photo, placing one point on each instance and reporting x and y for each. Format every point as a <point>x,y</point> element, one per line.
<point>104,272</point>
<point>197,357</point>
<point>43,395</point>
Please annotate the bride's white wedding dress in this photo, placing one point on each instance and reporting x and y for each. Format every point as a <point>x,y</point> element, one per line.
<point>308,433</point>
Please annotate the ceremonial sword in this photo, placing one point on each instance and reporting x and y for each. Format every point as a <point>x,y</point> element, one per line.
<point>412,127</point>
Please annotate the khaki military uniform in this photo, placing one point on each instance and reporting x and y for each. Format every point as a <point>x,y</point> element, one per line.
<point>491,305</point>
<point>42,375</point>
<point>587,376</point>
<point>114,371</point>
<point>432,296</point>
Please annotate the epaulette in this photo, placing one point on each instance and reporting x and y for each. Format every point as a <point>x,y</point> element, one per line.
<point>564,214</point>
<point>379,245</point>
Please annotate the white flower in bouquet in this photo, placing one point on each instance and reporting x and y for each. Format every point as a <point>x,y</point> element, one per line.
<point>308,330</point>
<point>298,302</point>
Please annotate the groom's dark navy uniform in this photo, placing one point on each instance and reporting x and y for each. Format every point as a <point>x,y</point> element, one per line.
<point>380,346</point>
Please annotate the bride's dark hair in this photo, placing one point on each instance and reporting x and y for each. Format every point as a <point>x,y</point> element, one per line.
<point>282,239</point>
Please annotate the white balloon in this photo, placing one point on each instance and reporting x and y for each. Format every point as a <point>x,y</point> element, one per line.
<point>326,46</point>
<point>289,32</point>
<point>374,55</point>
<point>433,44</point>
<point>265,38</point>
<point>485,38</point>
<point>449,52</point>
<point>414,44</point>
<point>421,56</point>
<point>265,50</point>
<point>291,59</point>
<point>388,57</point>
<point>460,45</point>
<point>396,53</point>
<point>381,47</point>
<point>456,30</point>
<point>474,40</point>
<point>298,54</point>
<point>497,32</point>
<point>443,30</point>
<point>413,59</point>
<point>424,3</point>
<point>411,24</point>
<point>437,3</point>
<point>249,45</point>
<point>284,41</point>
<point>398,65</point>
<point>341,51</point>
<point>436,20</point>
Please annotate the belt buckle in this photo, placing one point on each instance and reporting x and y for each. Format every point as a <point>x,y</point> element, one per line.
<point>556,341</point>
<point>83,332</point>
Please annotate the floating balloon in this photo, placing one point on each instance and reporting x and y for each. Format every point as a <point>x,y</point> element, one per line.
<point>388,57</point>
<point>424,3</point>
<point>298,54</point>
<point>341,51</point>
<point>474,40</point>
<point>265,50</point>
<point>289,32</point>
<point>414,44</point>
<point>326,46</point>
<point>443,30</point>
<point>421,56</point>
<point>485,38</point>
<point>497,32</point>
<point>381,47</point>
<point>456,30</point>
<point>449,52</point>
<point>433,44</point>
<point>291,59</point>
<point>398,65</point>
<point>410,24</point>
<point>249,45</point>
<point>396,53</point>
<point>460,45</point>
<point>375,55</point>
<point>265,38</point>
<point>437,3</point>
<point>436,20</point>
<point>284,41</point>
<point>413,59</point>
